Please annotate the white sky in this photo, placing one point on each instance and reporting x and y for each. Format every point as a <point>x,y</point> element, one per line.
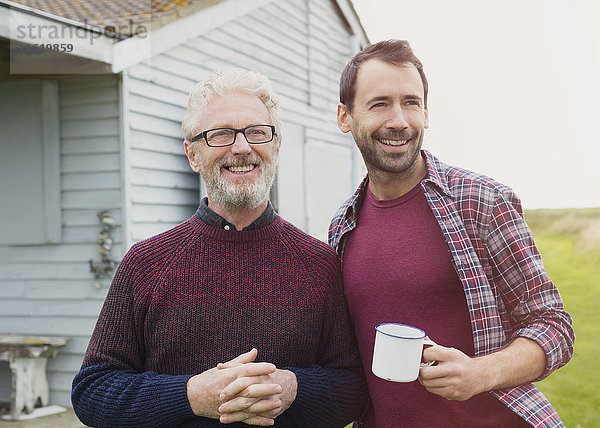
<point>514,88</point>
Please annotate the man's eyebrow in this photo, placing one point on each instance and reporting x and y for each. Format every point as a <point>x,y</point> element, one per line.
<point>387,97</point>
<point>378,98</point>
<point>412,97</point>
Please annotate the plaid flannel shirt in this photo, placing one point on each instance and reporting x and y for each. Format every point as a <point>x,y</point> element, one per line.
<point>508,291</point>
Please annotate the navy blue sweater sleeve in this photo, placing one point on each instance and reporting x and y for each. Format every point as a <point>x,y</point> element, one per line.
<point>328,397</point>
<point>104,396</point>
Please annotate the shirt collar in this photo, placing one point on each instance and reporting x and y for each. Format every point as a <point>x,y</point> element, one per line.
<point>436,173</point>
<point>213,219</point>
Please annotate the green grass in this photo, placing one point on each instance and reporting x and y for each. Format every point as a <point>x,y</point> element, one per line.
<point>568,241</point>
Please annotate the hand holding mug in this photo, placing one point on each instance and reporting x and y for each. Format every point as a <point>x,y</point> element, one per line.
<point>456,376</point>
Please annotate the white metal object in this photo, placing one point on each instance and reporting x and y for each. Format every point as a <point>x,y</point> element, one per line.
<point>397,352</point>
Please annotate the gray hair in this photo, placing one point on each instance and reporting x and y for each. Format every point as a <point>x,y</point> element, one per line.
<point>221,82</point>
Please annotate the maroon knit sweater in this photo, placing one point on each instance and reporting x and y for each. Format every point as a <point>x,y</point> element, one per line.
<point>196,295</point>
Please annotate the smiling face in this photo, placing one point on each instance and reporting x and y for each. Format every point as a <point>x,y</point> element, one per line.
<point>388,120</point>
<point>237,177</point>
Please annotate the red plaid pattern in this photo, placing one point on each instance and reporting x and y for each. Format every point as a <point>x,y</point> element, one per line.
<point>508,291</point>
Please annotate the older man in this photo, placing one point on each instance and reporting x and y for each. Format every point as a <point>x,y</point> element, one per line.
<point>454,257</point>
<point>232,282</point>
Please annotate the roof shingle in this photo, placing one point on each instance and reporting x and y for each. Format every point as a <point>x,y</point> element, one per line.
<point>120,16</point>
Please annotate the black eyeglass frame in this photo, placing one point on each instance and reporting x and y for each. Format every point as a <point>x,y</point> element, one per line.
<point>203,134</point>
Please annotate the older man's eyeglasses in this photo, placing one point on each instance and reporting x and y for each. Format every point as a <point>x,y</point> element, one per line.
<point>220,137</point>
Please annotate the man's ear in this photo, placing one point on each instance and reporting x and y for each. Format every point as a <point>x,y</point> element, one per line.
<point>426,120</point>
<point>279,144</point>
<point>344,120</point>
<point>192,156</point>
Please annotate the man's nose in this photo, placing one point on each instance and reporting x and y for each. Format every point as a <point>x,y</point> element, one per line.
<point>240,144</point>
<point>397,119</point>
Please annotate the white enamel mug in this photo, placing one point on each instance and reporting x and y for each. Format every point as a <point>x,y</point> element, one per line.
<point>397,352</point>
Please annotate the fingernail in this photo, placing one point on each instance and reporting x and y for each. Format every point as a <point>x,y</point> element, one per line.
<point>222,396</point>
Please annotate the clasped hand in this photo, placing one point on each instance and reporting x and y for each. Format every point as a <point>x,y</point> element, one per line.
<point>242,391</point>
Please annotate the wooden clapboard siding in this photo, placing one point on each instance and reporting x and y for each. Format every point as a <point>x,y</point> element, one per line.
<point>91,161</point>
<point>40,308</point>
<point>92,181</point>
<point>78,329</point>
<point>157,171</point>
<point>72,290</point>
<point>89,145</point>
<point>48,289</point>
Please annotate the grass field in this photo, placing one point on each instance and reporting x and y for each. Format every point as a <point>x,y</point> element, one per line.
<point>569,241</point>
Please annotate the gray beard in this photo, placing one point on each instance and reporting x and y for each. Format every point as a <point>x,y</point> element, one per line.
<point>239,197</point>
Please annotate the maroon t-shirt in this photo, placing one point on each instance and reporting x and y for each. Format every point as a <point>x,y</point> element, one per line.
<point>397,268</point>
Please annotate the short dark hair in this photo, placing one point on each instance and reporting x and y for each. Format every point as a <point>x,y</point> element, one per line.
<point>396,52</point>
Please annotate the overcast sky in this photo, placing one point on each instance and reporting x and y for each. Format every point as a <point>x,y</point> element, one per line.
<point>514,88</point>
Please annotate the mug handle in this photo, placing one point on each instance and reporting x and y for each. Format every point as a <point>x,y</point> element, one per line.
<point>428,342</point>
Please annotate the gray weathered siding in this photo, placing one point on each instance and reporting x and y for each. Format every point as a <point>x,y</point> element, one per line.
<point>162,189</point>
<point>48,289</point>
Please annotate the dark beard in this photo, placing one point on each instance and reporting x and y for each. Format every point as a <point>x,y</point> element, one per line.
<point>396,163</point>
